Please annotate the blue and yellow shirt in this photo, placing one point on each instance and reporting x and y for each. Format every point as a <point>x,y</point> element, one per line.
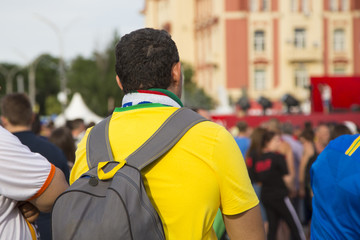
<point>335,180</point>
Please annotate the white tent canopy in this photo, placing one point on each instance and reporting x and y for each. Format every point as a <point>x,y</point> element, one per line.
<point>77,109</point>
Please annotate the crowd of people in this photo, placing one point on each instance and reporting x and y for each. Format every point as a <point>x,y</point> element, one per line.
<point>279,157</point>
<point>208,175</point>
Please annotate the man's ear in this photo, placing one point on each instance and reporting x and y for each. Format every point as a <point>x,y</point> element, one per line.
<point>4,121</point>
<point>118,82</point>
<point>176,74</point>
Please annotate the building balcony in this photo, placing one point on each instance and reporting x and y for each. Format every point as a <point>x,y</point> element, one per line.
<point>205,23</point>
<point>304,54</point>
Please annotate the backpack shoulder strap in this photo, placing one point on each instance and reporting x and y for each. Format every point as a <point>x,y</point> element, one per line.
<point>164,138</point>
<point>98,145</point>
<point>169,133</point>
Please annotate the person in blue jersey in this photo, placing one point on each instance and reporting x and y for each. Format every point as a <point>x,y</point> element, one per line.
<point>242,139</point>
<point>335,181</point>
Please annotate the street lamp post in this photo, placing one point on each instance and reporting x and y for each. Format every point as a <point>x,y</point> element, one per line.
<point>32,80</point>
<point>9,76</point>
<point>32,65</point>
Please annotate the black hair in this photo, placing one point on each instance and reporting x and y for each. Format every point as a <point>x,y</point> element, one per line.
<point>16,107</point>
<point>144,59</point>
<point>242,126</point>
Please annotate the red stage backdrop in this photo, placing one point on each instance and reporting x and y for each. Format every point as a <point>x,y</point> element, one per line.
<point>345,92</point>
<point>230,121</point>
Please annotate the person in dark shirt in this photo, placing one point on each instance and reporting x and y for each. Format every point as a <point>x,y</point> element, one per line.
<point>252,154</point>
<point>63,138</point>
<point>254,151</point>
<point>270,169</point>
<point>17,117</point>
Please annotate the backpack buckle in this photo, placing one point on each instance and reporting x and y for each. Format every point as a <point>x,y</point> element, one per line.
<point>108,175</point>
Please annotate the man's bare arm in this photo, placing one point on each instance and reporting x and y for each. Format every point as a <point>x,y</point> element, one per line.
<point>307,153</point>
<point>46,200</point>
<point>290,177</point>
<point>247,225</point>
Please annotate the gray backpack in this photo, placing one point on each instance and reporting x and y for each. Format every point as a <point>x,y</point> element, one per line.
<point>110,201</point>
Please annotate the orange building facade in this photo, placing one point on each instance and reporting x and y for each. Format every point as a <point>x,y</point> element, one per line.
<point>262,47</point>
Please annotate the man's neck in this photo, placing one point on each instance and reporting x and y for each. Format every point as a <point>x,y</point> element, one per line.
<point>241,135</point>
<point>14,129</point>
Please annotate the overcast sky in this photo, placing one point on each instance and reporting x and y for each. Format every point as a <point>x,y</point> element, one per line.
<point>84,25</point>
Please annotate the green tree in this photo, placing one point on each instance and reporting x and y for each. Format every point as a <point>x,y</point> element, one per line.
<point>83,77</point>
<point>47,83</point>
<point>194,96</point>
<point>52,105</point>
<point>94,79</point>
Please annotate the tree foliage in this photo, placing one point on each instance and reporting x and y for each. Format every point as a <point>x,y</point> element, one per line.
<point>94,79</point>
<point>47,81</point>
<point>46,84</point>
<point>52,105</point>
<point>194,96</point>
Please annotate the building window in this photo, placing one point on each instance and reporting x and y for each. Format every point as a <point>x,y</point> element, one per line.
<point>339,70</point>
<point>259,41</point>
<point>344,5</point>
<point>300,37</point>
<point>339,40</point>
<point>259,79</point>
<point>265,5</point>
<point>301,77</point>
<point>333,5</point>
<point>254,5</point>
<point>294,5</point>
<point>305,6</point>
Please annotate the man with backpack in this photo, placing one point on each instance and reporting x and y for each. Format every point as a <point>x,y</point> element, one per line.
<point>202,172</point>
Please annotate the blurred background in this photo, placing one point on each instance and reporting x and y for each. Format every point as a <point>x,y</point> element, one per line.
<point>241,58</point>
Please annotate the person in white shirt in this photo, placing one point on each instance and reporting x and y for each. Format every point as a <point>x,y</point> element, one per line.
<point>28,182</point>
<point>326,94</point>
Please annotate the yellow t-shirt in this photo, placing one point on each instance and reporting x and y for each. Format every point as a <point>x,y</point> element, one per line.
<point>202,172</point>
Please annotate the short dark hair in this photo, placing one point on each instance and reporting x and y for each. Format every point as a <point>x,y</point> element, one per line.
<point>340,129</point>
<point>144,59</point>
<point>308,134</point>
<point>76,123</point>
<point>242,126</point>
<point>287,128</point>
<point>16,107</point>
